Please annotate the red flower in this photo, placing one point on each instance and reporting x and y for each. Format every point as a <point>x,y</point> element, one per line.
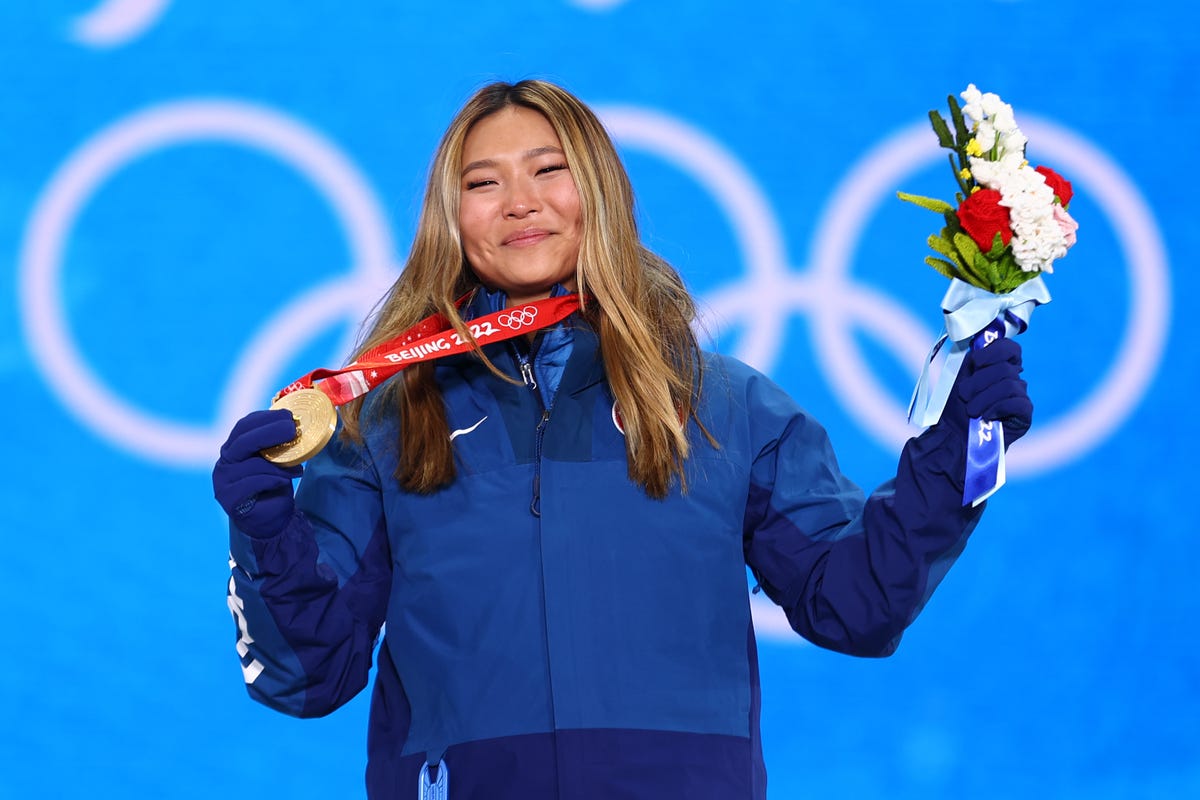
<point>1060,185</point>
<point>982,217</point>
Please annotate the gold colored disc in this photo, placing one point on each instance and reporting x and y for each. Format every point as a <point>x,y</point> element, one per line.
<point>316,420</point>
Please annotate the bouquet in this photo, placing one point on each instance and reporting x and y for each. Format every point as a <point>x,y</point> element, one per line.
<point>1010,225</point>
<point>1011,222</point>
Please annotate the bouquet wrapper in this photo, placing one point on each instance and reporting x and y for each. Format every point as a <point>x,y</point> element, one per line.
<point>974,318</point>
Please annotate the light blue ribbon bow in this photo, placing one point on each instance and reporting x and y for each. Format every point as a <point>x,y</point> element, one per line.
<point>968,310</point>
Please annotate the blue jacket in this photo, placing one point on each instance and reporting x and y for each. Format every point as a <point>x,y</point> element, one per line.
<point>552,632</point>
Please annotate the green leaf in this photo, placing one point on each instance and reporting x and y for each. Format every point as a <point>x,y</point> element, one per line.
<point>933,204</point>
<point>944,267</point>
<point>1011,275</point>
<point>962,184</point>
<point>962,134</point>
<point>987,267</point>
<point>1009,283</point>
<point>942,246</point>
<point>997,247</point>
<point>1017,276</point>
<point>942,130</point>
<point>966,245</point>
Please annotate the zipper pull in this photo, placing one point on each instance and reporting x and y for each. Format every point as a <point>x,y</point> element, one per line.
<point>437,788</point>
<point>527,374</point>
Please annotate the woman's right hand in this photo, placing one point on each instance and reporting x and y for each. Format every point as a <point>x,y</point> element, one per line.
<point>255,493</point>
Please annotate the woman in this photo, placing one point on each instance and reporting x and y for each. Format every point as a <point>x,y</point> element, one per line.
<point>556,527</point>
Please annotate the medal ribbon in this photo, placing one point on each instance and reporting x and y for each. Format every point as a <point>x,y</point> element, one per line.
<point>430,339</point>
<point>975,318</point>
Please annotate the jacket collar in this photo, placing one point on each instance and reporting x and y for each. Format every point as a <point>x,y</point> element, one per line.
<point>584,368</point>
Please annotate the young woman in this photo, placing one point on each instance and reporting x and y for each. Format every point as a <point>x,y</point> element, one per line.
<point>556,527</point>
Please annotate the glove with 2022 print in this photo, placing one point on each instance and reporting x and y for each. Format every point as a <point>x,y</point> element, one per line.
<point>989,386</point>
<point>255,493</point>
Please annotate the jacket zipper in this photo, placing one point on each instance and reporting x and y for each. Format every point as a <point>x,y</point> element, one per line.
<point>525,363</point>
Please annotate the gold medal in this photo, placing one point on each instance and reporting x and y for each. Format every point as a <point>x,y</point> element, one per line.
<point>315,419</point>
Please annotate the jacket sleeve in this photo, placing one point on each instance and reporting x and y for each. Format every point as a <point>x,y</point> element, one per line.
<point>850,572</point>
<point>309,603</point>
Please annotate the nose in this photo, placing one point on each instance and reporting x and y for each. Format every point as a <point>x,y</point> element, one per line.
<point>521,200</point>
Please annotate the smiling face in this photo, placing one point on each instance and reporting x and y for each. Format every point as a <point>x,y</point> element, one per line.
<point>519,213</point>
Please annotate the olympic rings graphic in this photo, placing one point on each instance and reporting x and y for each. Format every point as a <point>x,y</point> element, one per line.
<point>760,301</point>
<point>518,317</point>
<point>253,377</point>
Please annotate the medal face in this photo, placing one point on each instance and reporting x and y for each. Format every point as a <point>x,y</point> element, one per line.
<point>316,420</point>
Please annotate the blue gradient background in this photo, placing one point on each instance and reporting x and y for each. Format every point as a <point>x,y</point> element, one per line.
<point>1059,658</point>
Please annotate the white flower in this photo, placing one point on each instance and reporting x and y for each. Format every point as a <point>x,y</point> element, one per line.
<point>989,106</point>
<point>974,104</point>
<point>1002,117</point>
<point>994,174</point>
<point>985,134</point>
<point>1039,236</point>
<point>993,122</point>
<point>993,105</point>
<point>1013,142</point>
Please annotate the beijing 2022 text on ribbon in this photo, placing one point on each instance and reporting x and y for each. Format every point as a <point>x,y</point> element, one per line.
<point>1009,226</point>
<point>312,403</point>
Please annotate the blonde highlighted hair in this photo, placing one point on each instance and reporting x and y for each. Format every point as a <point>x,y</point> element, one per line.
<point>635,301</point>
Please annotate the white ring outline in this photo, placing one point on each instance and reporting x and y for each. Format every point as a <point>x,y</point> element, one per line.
<point>765,301</point>
<point>729,185</point>
<point>335,177</point>
<point>113,23</point>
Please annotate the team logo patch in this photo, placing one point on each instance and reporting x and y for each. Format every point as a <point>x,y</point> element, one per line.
<point>618,423</point>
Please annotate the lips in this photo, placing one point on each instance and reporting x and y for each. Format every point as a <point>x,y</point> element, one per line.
<point>526,237</point>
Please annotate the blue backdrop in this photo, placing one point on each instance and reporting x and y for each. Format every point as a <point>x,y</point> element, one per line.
<point>198,200</point>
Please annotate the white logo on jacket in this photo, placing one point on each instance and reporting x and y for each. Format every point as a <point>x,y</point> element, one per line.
<point>464,431</point>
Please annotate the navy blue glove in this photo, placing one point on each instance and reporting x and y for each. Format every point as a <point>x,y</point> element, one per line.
<point>989,386</point>
<point>256,494</point>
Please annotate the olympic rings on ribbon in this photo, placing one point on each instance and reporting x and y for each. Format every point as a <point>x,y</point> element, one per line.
<point>518,317</point>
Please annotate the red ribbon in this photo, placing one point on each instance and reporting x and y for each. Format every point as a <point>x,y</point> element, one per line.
<point>432,338</point>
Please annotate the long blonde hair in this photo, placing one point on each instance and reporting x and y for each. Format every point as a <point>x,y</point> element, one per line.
<point>636,302</point>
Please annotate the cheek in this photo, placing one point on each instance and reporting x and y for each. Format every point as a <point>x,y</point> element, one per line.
<point>568,207</point>
<point>471,228</point>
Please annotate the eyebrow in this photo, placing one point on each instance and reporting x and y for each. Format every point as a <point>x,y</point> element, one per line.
<point>484,163</point>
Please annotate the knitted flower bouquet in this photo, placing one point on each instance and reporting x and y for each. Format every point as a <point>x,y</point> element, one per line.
<point>1010,224</point>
